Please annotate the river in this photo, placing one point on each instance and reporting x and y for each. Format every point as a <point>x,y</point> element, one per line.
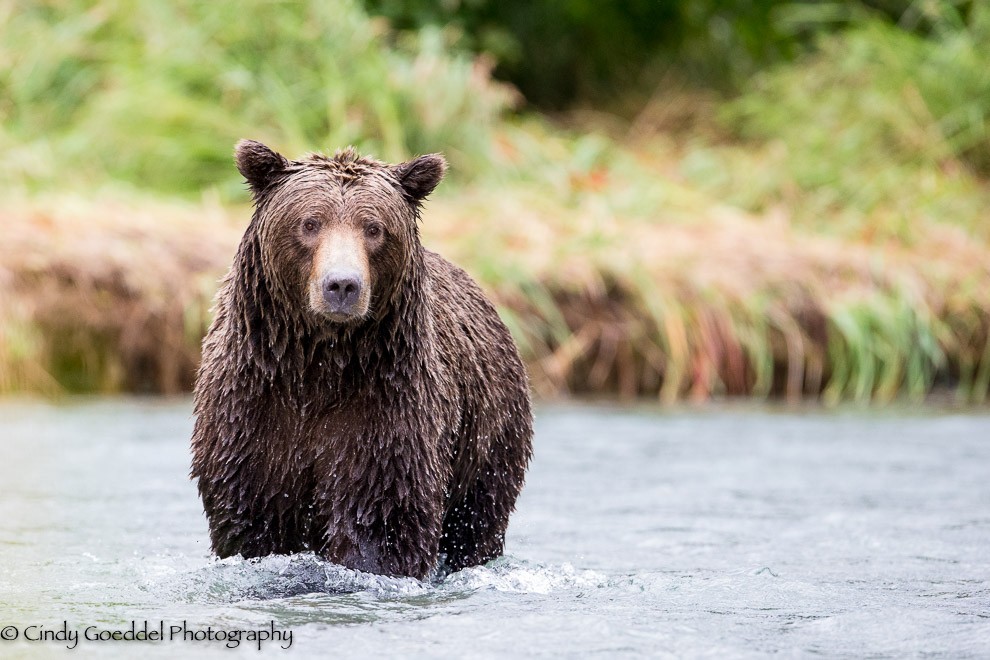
<point>723,531</point>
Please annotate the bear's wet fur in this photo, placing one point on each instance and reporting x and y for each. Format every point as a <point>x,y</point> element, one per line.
<point>379,441</point>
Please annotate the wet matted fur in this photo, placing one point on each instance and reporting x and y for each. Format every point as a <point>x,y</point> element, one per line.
<point>379,440</point>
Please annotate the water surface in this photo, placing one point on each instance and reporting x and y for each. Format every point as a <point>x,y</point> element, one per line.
<point>738,532</point>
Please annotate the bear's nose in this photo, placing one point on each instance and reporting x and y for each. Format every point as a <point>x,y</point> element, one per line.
<point>341,291</point>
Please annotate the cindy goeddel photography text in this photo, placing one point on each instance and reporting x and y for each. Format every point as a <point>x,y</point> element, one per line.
<point>147,631</point>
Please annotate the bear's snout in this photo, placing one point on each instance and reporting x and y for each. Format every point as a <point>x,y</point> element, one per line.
<point>340,283</point>
<point>342,291</point>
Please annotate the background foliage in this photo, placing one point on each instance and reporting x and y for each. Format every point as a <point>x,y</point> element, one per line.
<point>155,93</point>
<point>666,198</point>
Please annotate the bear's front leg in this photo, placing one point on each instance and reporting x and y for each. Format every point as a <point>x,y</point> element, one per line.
<point>247,528</point>
<point>401,542</point>
<point>384,515</point>
<point>387,537</point>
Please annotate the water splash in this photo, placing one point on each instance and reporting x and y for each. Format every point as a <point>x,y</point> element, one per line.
<point>511,575</point>
<point>285,576</point>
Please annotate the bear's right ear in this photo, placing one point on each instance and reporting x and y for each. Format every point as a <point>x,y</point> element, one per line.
<point>258,164</point>
<point>418,177</point>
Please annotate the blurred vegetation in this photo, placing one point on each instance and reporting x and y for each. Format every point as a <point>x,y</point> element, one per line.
<point>732,197</point>
<point>873,113</point>
<point>565,51</point>
<point>155,93</point>
<point>610,54</point>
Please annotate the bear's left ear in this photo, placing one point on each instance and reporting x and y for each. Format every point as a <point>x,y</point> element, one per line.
<point>258,164</point>
<point>419,176</point>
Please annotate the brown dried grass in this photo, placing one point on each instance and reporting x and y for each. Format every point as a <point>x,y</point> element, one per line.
<point>706,301</point>
<point>107,295</point>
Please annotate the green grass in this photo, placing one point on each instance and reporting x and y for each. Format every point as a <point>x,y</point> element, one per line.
<point>155,94</point>
<point>877,132</point>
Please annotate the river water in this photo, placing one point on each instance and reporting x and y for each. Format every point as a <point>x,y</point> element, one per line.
<point>734,531</point>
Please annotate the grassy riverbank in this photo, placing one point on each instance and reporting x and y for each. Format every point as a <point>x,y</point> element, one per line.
<point>820,231</point>
<point>615,273</point>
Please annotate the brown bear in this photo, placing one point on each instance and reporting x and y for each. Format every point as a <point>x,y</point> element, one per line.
<point>358,397</point>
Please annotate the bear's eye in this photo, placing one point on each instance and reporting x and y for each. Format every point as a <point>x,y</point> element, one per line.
<point>373,230</point>
<point>310,225</point>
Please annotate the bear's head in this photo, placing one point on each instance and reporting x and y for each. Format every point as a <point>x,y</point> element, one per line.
<point>337,234</point>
